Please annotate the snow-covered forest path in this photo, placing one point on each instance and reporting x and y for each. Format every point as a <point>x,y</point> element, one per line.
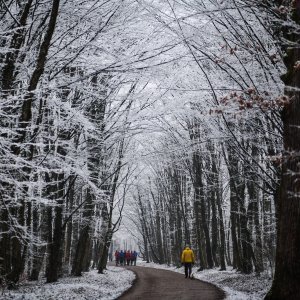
<point>161,284</point>
<point>147,126</point>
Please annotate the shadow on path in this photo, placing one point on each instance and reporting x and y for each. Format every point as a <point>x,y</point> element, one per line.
<point>154,284</point>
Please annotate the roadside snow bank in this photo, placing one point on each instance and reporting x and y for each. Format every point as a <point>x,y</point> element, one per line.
<point>236,285</point>
<point>90,286</point>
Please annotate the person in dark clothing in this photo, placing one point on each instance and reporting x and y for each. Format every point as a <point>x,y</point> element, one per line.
<point>128,257</point>
<point>122,257</point>
<point>131,258</point>
<point>134,257</point>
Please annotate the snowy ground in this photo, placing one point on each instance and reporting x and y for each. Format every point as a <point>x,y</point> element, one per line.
<point>237,286</point>
<point>115,281</point>
<point>90,286</point>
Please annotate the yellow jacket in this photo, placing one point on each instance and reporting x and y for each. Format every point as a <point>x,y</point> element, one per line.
<point>187,256</point>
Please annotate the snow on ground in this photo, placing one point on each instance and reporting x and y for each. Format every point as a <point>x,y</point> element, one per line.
<point>91,286</point>
<point>115,281</point>
<point>236,285</point>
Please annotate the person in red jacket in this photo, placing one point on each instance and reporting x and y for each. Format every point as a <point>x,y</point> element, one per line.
<point>128,257</point>
<point>117,257</point>
<point>187,259</point>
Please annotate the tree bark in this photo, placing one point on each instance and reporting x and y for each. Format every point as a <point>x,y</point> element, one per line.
<point>15,45</point>
<point>287,268</point>
<point>222,231</point>
<point>55,247</point>
<point>198,184</point>
<point>84,238</point>
<point>26,113</point>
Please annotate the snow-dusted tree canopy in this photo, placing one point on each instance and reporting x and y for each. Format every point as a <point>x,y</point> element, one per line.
<point>162,117</point>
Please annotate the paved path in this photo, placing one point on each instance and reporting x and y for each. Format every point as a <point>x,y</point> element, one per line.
<point>167,285</point>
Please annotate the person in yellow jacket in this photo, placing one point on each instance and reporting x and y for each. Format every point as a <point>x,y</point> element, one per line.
<point>187,259</point>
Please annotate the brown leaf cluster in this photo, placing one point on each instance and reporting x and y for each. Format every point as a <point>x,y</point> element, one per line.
<point>251,99</point>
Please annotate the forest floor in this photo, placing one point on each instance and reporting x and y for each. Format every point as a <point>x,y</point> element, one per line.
<point>90,286</point>
<point>116,281</point>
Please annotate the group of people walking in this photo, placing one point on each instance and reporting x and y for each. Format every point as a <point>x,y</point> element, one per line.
<point>128,258</point>
<point>124,258</point>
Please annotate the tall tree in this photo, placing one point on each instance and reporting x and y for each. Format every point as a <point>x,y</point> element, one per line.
<point>287,275</point>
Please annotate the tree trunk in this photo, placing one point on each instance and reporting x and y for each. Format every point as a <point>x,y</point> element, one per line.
<point>287,276</point>
<point>104,256</point>
<point>214,228</point>
<point>55,247</point>
<point>39,251</point>
<point>198,184</point>
<point>26,111</point>
<point>18,247</point>
<point>222,230</point>
<point>69,225</point>
<point>84,237</point>
<point>199,236</point>
<point>159,236</point>
<point>236,255</point>
<point>78,263</point>
<point>5,254</point>
<point>12,56</point>
<point>287,269</point>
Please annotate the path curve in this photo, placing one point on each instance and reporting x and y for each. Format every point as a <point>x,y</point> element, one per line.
<point>151,284</point>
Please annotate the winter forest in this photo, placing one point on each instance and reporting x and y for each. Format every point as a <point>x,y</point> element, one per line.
<point>177,120</point>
